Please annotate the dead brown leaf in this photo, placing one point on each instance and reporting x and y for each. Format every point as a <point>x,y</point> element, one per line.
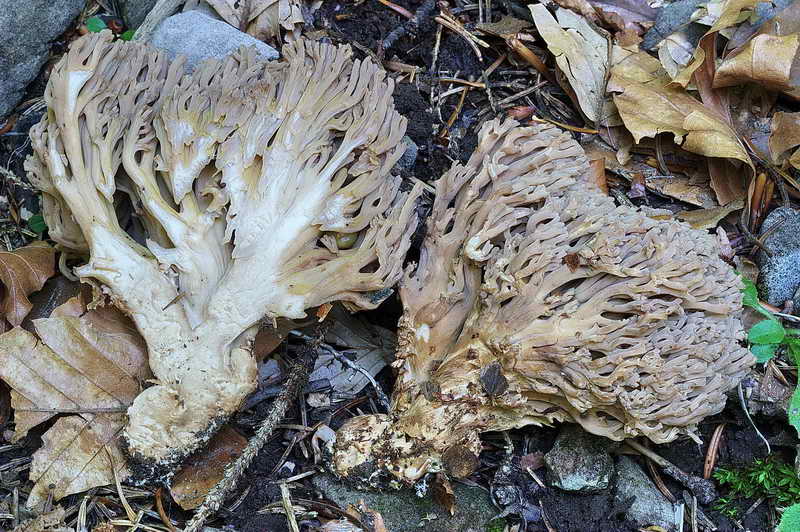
<point>201,472</point>
<point>22,272</point>
<point>581,53</point>
<point>784,136</point>
<point>765,59</point>
<point>443,493</point>
<point>708,218</point>
<point>580,7</point>
<point>730,15</point>
<point>649,104</point>
<point>625,15</point>
<point>91,363</point>
<point>693,188</point>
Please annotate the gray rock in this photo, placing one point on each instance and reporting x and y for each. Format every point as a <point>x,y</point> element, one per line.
<point>406,162</point>
<point>579,461</point>
<point>404,511</point>
<point>646,505</point>
<point>779,276</point>
<point>134,11</point>
<point>197,36</point>
<point>26,30</point>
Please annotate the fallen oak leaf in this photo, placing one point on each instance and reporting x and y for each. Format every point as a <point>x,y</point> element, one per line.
<point>204,470</point>
<point>765,59</point>
<point>773,53</point>
<point>22,272</point>
<point>785,135</point>
<point>708,218</point>
<point>649,104</point>
<point>730,14</point>
<point>582,55</point>
<point>90,364</point>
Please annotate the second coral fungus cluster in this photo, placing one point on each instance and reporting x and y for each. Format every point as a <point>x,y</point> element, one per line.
<point>536,300</point>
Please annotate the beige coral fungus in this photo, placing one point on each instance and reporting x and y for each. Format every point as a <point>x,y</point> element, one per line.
<point>537,300</point>
<point>242,175</point>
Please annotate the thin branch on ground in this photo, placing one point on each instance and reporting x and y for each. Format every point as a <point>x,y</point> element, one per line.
<point>298,376</point>
<point>162,10</point>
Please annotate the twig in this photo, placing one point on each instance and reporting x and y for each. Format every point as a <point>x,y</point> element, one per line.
<point>162,513</point>
<point>659,482</point>
<point>545,519</point>
<point>749,236</point>
<point>750,419</point>
<point>399,9</point>
<point>298,375</point>
<point>160,11</point>
<point>703,489</point>
<point>422,15</point>
<point>713,451</point>
<point>288,508</point>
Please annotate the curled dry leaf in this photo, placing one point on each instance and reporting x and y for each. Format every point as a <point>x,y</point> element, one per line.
<point>22,272</point>
<point>625,15</point>
<point>693,188</point>
<point>784,136</point>
<point>263,19</point>
<point>769,58</point>
<point>93,362</point>
<point>765,59</point>
<point>649,104</point>
<point>730,14</point>
<point>581,53</point>
<point>202,471</point>
<point>708,218</point>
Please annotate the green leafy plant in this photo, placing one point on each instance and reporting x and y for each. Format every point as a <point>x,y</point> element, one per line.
<point>95,24</point>
<point>726,506</point>
<point>767,336</point>
<point>37,224</point>
<point>770,478</point>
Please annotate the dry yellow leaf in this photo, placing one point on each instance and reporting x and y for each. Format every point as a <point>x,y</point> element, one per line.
<point>731,14</point>
<point>649,105</point>
<point>582,55</point>
<point>22,272</point>
<point>765,59</point>
<point>708,218</point>
<point>92,364</point>
<point>784,135</point>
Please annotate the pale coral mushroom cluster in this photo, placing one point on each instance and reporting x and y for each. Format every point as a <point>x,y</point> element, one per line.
<point>537,300</point>
<point>244,176</point>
